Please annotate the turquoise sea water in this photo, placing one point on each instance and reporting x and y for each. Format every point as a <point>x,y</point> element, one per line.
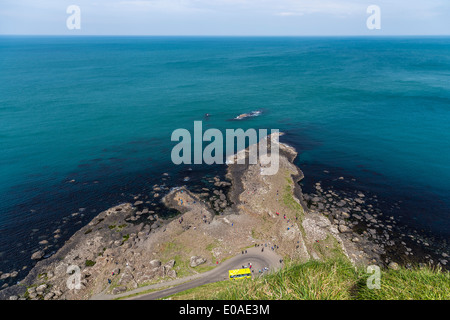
<point>101,110</point>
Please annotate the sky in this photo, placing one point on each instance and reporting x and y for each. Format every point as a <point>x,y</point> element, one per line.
<point>225,17</point>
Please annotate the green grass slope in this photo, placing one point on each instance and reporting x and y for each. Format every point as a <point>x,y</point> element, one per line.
<point>330,280</point>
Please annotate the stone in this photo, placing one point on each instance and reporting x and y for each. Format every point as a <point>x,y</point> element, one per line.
<point>31,290</point>
<point>341,203</point>
<point>32,295</point>
<point>38,255</point>
<point>40,289</point>
<point>393,265</point>
<point>196,261</point>
<point>120,289</point>
<point>343,228</point>
<point>13,298</point>
<point>345,215</point>
<point>49,296</point>
<point>155,263</point>
<point>170,264</point>
<point>5,276</point>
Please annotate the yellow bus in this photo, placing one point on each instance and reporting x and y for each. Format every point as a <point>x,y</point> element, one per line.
<point>240,274</point>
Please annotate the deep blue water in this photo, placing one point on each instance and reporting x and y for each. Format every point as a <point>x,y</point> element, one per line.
<point>101,110</point>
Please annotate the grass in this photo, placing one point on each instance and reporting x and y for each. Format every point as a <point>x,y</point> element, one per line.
<point>118,228</point>
<point>331,280</point>
<point>181,266</point>
<point>291,203</point>
<point>89,263</point>
<point>310,281</point>
<point>204,292</point>
<point>203,268</point>
<point>417,284</point>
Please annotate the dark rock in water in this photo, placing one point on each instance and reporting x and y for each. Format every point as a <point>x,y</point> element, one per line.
<point>38,255</point>
<point>341,203</point>
<point>5,276</point>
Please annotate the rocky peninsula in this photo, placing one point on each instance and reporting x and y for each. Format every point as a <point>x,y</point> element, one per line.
<point>129,246</point>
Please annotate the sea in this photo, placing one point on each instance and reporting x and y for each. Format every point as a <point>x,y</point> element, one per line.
<point>86,122</point>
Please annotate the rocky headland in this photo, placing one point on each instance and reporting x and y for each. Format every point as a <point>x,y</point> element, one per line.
<point>130,246</point>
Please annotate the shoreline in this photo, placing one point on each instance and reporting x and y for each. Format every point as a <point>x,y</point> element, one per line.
<point>221,207</point>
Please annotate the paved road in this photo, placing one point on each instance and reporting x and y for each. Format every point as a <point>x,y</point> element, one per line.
<point>258,259</point>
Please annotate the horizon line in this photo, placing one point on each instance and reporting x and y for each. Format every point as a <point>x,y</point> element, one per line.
<point>212,35</point>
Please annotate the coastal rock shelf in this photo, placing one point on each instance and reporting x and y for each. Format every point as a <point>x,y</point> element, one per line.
<point>357,213</point>
<point>131,246</point>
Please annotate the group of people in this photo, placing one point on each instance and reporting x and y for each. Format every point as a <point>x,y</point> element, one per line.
<point>264,269</point>
<point>265,245</point>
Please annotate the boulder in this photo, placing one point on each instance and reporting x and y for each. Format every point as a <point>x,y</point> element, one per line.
<point>120,289</point>
<point>31,290</point>
<point>393,265</point>
<point>155,263</point>
<point>196,261</point>
<point>345,215</point>
<point>5,276</point>
<point>38,255</point>
<point>343,228</point>
<point>40,289</point>
<point>170,264</point>
<point>49,296</point>
<point>341,203</point>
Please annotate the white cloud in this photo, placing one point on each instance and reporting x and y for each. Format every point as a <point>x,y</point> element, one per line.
<point>226,16</point>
